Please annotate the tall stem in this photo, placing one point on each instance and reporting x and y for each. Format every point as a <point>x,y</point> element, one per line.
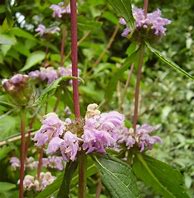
<point>74,59</point>
<point>139,72</point>
<point>22,154</point>
<point>137,87</point>
<point>145,7</point>
<point>29,135</point>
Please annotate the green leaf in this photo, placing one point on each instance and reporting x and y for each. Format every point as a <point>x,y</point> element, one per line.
<point>88,25</point>
<point>54,187</point>
<point>33,59</point>
<point>168,61</point>
<point>5,186</point>
<point>6,39</point>
<point>52,87</point>
<point>67,98</point>
<point>111,17</point>
<point>164,179</point>
<point>117,177</point>
<point>22,33</point>
<point>65,185</point>
<point>123,9</point>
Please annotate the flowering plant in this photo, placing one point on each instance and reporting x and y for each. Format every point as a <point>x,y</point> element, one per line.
<point>62,131</point>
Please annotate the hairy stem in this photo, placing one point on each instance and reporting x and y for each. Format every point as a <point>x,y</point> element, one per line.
<point>74,59</point>
<point>22,154</point>
<point>29,135</point>
<point>145,7</point>
<point>140,64</point>
<point>137,87</point>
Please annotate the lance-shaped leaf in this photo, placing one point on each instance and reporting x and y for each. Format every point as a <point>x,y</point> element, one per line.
<point>168,61</point>
<point>33,59</point>
<point>51,88</point>
<point>164,179</point>
<point>117,177</point>
<point>123,9</point>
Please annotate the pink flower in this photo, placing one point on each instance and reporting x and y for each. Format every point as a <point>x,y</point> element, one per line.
<point>70,146</point>
<point>34,74</point>
<point>51,127</point>
<point>101,131</point>
<point>46,179</point>
<point>15,162</point>
<point>65,71</point>
<point>54,145</point>
<point>28,182</point>
<point>41,29</point>
<point>59,9</point>
<point>144,139</point>
<point>48,74</point>
<point>153,20</point>
<point>55,162</point>
<point>126,136</point>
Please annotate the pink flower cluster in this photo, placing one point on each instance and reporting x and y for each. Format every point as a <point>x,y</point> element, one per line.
<point>42,30</point>
<point>50,74</point>
<point>53,162</point>
<point>60,9</point>
<point>100,131</point>
<point>141,138</point>
<point>31,183</point>
<point>153,20</point>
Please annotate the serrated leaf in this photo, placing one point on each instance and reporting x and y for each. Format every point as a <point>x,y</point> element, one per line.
<point>117,177</point>
<point>164,179</point>
<point>123,9</point>
<point>168,61</point>
<point>33,59</point>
